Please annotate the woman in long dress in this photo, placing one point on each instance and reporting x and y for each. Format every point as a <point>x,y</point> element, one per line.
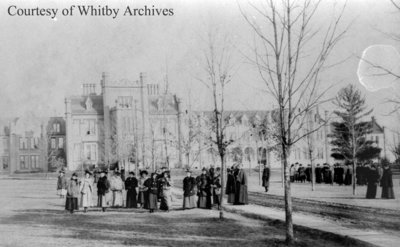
<point>117,186</point>
<point>189,191</point>
<point>131,185</point>
<point>86,190</point>
<point>372,180</point>
<point>143,193</point>
<point>152,188</point>
<point>71,203</point>
<point>165,185</point>
<point>230,186</point>
<point>216,187</point>
<point>103,191</point>
<point>62,184</point>
<point>204,190</point>
<point>387,183</point>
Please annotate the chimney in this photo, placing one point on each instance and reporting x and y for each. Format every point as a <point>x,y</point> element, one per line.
<point>88,89</point>
<point>104,79</point>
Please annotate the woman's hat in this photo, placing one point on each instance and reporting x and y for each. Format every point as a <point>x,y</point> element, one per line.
<point>132,173</point>
<point>103,171</point>
<point>144,172</point>
<point>204,169</point>
<point>188,170</point>
<point>74,174</point>
<point>62,171</point>
<point>88,172</point>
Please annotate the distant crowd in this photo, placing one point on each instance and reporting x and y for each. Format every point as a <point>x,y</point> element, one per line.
<point>370,174</point>
<point>152,192</point>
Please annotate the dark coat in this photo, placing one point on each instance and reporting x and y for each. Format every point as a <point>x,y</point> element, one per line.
<point>103,186</point>
<point>387,184</point>
<point>265,177</point>
<point>73,189</point>
<point>241,196</point>
<point>152,186</point>
<point>372,179</point>
<point>131,183</point>
<point>189,186</point>
<point>230,184</point>
<point>62,183</point>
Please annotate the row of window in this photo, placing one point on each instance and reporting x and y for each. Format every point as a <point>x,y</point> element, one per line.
<point>29,161</point>
<point>28,143</point>
<point>89,152</point>
<point>84,127</point>
<point>57,143</point>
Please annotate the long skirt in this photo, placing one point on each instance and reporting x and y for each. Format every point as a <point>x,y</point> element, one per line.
<point>117,198</point>
<point>104,201</point>
<point>371,191</point>
<point>166,200</point>
<point>141,198</point>
<point>204,202</point>
<point>231,198</point>
<point>71,203</point>
<point>131,201</point>
<point>216,199</point>
<point>189,202</point>
<point>241,196</point>
<point>387,192</point>
<point>86,200</point>
<point>153,201</point>
<point>347,179</point>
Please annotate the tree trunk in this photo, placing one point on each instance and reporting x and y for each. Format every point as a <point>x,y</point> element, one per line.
<point>354,158</point>
<point>312,176</point>
<point>221,196</point>
<point>288,198</point>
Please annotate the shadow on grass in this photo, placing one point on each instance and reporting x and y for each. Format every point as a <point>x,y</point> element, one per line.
<point>188,228</point>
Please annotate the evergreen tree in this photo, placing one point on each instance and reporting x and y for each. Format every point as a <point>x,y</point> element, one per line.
<point>349,133</point>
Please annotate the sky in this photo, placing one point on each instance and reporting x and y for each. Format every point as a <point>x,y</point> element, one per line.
<point>44,60</point>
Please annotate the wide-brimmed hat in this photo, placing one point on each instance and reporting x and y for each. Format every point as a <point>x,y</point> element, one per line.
<point>132,173</point>
<point>88,172</point>
<point>104,171</point>
<point>144,172</point>
<point>62,171</point>
<point>74,174</point>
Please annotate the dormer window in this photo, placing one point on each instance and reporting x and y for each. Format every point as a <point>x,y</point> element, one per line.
<point>56,127</point>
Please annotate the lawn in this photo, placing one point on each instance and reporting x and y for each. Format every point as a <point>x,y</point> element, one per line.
<point>32,215</point>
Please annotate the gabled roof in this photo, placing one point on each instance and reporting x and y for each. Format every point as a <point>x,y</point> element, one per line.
<point>78,105</point>
<point>238,115</point>
<point>375,127</point>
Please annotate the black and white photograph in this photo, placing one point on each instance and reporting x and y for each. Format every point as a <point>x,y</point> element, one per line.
<point>200,123</point>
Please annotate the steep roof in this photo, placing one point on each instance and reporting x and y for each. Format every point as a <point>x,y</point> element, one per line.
<point>238,115</point>
<point>375,127</point>
<point>78,105</point>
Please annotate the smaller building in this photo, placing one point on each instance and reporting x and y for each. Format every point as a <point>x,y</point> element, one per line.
<point>55,138</point>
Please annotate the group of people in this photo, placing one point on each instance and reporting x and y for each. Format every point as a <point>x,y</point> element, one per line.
<point>206,187</point>
<point>146,191</point>
<point>370,174</point>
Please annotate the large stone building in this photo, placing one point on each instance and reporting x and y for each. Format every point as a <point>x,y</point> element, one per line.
<point>134,122</point>
<point>129,122</point>
<point>22,150</point>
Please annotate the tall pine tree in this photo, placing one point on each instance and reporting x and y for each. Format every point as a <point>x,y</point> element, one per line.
<point>349,134</point>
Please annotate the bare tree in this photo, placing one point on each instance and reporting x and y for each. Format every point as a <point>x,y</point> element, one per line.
<point>217,68</point>
<point>290,56</point>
